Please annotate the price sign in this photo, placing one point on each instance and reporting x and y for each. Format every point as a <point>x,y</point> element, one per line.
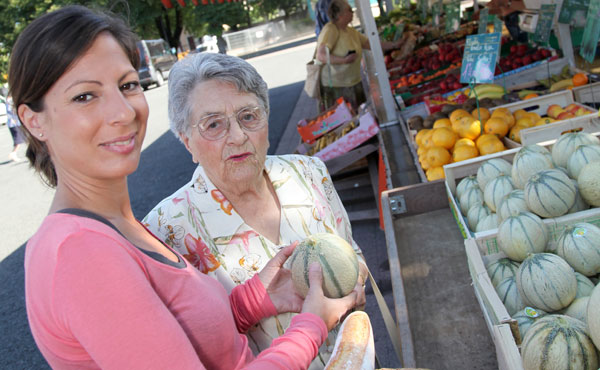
<point>544,24</point>
<point>483,20</point>
<point>570,7</point>
<point>479,59</point>
<point>452,16</point>
<point>591,33</point>
<point>497,24</point>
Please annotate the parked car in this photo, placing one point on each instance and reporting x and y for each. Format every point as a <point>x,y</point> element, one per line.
<point>157,59</point>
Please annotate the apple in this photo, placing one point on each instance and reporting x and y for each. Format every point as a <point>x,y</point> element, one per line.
<point>554,110</point>
<point>581,112</point>
<point>572,108</point>
<point>527,60</point>
<point>513,49</point>
<point>565,115</point>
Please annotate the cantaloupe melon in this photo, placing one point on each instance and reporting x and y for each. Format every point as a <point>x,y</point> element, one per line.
<point>593,316</point>
<point>354,345</point>
<point>529,160</point>
<point>566,144</point>
<point>558,342</point>
<point>502,269</point>
<point>509,295</point>
<point>579,245</point>
<point>589,183</point>
<point>496,189</point>
<point>469,198</point>
<point>491,169</point>
<point>475,214</point>
<point>549,193</point>
<point>522,234</point>
<point>583,155</point>
<point>338,261</point>
<point>546,281</point>
<point>464,184</point>
<point>526,317</point>
<point>578,309</point>
<point>584,285</point>
<point>512,204</point>
<point>489,222</point>
<point>580,204</point>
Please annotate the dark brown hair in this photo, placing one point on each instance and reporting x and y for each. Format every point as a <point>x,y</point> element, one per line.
<point>44,51</point>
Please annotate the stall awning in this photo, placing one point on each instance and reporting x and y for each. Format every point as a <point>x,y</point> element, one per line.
<point>169,4</point>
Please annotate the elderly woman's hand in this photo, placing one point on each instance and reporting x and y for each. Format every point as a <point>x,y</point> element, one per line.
<point>277,280</point>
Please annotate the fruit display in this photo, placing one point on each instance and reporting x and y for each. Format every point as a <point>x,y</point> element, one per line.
<point>520,55</point>
<point>330,137</point>
<point>338,261</point>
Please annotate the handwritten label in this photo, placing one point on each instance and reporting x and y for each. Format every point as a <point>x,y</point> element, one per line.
<point>591,33</point>
<point>483,20</point>
<point>570,8</point>
<point>479,59</point>
<point>544,23</point>
<point>452,16</point>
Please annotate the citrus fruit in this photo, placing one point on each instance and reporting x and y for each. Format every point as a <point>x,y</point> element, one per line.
<point>444,137</point>
<point>464,141</point>
<point>530,96</point>
<point>468,127</point>
<point>438,156</point>
<point>442,122</point>
<point>580,79</point>
<point>435,173</point>
<point>491,146</point>
<point>525,121</point>
<point>483,112</point>
<point>457,114</point>
<point>519,113</point>
<point>496,126</point>
<point>420,135</point>
<point>515,133</point>
<point>485,137</point>
<point>544,121</point>
<point>463,152</point>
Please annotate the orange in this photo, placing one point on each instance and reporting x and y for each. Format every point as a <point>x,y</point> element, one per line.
<point>515,133</point>
<point>530,96</point>
<point>483,138</point>
<point>426,140</point>
<point>544,121</point>
<point>438,156</point>
<point>454,116</point>
<point>421,151</point>
<point>424,164</point>
<point>508,117</point>
<point>519,113</point>
<point>534,116</point>
<point>526,121</point>
<point>464,152</point>
<point>496,126</point>
<point>464,142</point>
<point>420,135</point>
<point>485,114</point>
<point>442,122</point>
<point>468,127</point>
<point>501,110</point>
<point>435,173</point>
<point>580,79</point>
<point>491,146</point>
<point>444,137</point>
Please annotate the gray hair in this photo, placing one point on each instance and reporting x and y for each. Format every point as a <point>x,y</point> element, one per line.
<point>200,67</point>
<point>335,8</point>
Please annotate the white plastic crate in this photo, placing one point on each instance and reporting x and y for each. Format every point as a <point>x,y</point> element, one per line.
<point>589,93</point>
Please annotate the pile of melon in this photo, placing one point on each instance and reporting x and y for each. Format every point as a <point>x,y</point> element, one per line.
<point>549,283</point>
<point>544,183</point>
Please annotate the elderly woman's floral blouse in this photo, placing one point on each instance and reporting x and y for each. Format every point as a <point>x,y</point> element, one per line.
<point>200,223</point>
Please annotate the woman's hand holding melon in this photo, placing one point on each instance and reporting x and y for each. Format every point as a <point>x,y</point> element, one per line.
<point>278,282</point>
<point>329,309</point>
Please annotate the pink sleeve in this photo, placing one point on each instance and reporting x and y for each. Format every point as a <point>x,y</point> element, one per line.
<point>297,347</point>
<point>250,303</point>
<point>103,297</point>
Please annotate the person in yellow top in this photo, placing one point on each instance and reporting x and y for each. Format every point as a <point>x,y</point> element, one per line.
<point>343,46</point>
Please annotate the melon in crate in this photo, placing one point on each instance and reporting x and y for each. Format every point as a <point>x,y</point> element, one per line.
<point>528,161</point>
<point>491,169</point>
<point>475,214</point>
<point>583,155</point>
<point>584,285</point>
<point>526,317</point>
<point>496,189</point>
<point>589,183</point>
<point>338,261</point>
<point>578,309</point>
<point>502,269</point>
<point>580,203</point>
<point>512,204</point>
<point>469,198</point>
<point>593,316</point>
<point>509,295</point>
<point>464,184</point>
<point>549,193</point>
<point>566,144</point>
<point>521,235</point>
<point>546,281</point>
<point>558,342</point>
<point>579,245</point>
<point>489,222</point>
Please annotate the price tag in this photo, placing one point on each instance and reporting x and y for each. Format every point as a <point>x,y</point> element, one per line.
<point>483,20</point>
<point>570,7</point>
<point>452,16</point>
<point>591,33</point>
<point>544,24</point>
<point>497,24</point>
<point>479,58</point>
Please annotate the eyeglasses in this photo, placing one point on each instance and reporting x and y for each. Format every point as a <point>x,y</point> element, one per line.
<point>216,126</point>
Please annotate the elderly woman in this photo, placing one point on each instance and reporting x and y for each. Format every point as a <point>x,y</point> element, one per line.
<point>342,46</point>
<point>241,205</point>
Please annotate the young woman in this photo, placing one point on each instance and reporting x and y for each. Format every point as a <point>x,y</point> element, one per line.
<point>101,290</point>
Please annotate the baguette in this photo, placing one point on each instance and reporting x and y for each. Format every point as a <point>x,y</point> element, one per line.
<point>354,345</point>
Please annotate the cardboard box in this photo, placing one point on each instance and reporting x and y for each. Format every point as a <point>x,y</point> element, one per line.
<point>366,129</point>
<point>312,129</point>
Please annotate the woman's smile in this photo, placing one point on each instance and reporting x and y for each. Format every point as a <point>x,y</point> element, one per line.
<point>121,145</point>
